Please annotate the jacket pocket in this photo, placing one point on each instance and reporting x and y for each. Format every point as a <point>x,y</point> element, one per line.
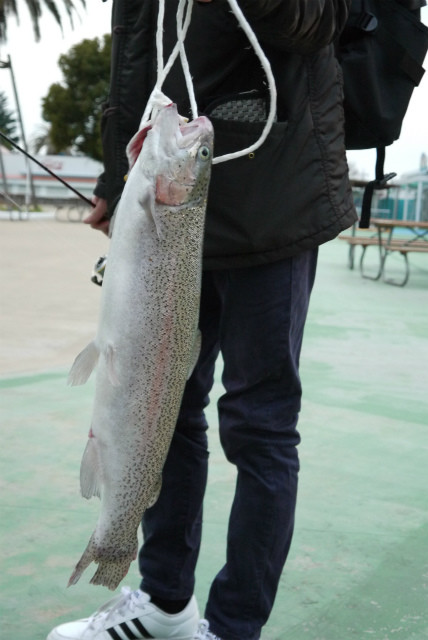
<point>246,196</point>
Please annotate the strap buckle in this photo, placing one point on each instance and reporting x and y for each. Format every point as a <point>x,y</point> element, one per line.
<point>367,22</point>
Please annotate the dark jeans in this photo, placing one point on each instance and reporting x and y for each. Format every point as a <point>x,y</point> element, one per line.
<point>255,317</point>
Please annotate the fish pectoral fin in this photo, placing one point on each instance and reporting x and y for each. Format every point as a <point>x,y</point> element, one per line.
<point>156,491</point>
<point>83,365</point>
<point>155,218</point>
<point>148,202</point>
<point>90,471</point>
<point>195,353</point>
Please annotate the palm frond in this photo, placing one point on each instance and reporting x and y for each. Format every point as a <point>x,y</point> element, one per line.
<point>35,7</point>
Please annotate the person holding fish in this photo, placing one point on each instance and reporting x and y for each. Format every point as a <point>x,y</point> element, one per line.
<point>266,215</point>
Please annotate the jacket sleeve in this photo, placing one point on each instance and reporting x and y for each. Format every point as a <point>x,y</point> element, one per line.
<point>298,26</point>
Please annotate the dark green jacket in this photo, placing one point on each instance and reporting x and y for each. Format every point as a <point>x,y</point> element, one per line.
<point>294,193</point>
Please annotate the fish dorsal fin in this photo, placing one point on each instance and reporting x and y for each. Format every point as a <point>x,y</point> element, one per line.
<point>83,365</point>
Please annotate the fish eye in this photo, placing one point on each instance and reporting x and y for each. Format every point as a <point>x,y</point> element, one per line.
<point>204,153</point>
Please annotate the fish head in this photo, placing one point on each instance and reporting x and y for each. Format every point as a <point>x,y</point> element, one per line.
<point>174,156</point>
<point>185,154</point>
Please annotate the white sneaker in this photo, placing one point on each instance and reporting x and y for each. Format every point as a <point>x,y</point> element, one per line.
<point>203,632</point>
<point>131,616</point>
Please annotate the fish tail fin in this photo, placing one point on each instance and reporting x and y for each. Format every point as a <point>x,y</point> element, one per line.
<point>90,471</point>
<point>111,572</point>
<point>84,364</point>
<point>84,562</point>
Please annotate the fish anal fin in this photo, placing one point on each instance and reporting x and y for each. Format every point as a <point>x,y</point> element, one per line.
<point>83,365</point>
<point>90,470</point>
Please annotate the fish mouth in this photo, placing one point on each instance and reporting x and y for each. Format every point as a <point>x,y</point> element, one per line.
<point>194,130</point>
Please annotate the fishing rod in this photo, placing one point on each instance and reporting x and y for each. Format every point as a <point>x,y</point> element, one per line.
<point>99,268</point>
<point>54,175</point>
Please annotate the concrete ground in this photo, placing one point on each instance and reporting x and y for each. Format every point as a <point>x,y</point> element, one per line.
<point>358,566</point>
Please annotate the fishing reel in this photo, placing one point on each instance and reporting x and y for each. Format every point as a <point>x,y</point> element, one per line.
<point>98,271</point>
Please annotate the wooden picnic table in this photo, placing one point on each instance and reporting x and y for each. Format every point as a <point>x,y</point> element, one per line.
<point>383,235</point>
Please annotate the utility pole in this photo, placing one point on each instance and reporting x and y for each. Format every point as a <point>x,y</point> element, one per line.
<point>8,65</point>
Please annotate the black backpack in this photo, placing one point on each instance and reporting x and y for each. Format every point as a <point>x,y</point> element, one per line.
<point>381,52</point>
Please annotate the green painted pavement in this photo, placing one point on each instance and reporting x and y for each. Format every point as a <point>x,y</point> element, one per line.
<point>358,567</point>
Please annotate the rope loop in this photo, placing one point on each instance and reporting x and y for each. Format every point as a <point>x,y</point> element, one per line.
<point>158,99</point>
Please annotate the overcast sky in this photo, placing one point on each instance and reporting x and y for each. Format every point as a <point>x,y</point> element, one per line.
<point>35,69</point>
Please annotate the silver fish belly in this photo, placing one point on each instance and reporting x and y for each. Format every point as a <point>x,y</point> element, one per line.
<point>147,340</point>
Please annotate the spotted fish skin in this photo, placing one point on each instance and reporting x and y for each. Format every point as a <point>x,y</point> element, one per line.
<point>147,340</point>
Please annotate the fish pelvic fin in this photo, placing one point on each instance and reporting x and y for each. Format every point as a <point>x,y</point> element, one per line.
<point>90,470</point>
<point>83,365</point>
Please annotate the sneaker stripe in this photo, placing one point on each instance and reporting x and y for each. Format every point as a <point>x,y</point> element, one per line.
<point>114,634</point>
<point>122,631</point>
<point>128,632</point>
<point>141,628</point>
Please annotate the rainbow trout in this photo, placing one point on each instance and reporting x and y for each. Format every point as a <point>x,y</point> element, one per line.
<point>147,341</point>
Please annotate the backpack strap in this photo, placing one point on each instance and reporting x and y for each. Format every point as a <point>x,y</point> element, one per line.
<point>412,5</point>
<point>378,183</point>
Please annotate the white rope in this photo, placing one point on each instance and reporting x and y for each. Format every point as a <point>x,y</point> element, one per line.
<point>159,36</point>
<point>183,57</point>
<point>158,99</point>
<point>271,82</point>
<point>182,32</point>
